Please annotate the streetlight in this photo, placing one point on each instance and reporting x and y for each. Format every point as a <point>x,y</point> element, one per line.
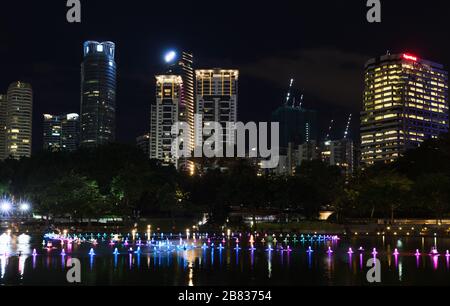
<point>5,206</point>
<point>24,207</point>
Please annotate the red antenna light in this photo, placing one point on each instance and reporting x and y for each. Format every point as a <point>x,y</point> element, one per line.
<point>410,57</point>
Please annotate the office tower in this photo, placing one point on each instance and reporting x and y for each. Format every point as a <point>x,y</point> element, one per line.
<point>143,143</point>
<point>98,94</point>
<point>3,107</point>
<point>164,114</point>
<point>61,132</point>
<point>297,125</point>
<point>308,151</point>
<point>217,100</point>
<point>339,153</point>
<point>19,120</point>
<point>405,103</point>
<point>183,66</point>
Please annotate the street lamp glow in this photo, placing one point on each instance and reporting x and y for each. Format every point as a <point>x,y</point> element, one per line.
<point>24,207</point>
<point>170,56</point>
<point>5,206</point>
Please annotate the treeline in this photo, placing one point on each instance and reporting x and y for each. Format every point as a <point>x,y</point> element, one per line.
<point>118,180</point>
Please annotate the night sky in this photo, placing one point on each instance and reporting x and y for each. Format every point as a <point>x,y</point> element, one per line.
<point>323,44</point>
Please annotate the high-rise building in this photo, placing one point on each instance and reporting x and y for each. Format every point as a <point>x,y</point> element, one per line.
<point>143,143</point>
<point>98,94</point>
<point>3,108</point>
<point>308,151</point>
<point>297,125</point>
<point>217,100</point>
<point>405,103</point>
<point>164,114</point>
<point>19,120</point>
<point>183,66</point>
<point>339,153</point>
<point>61,132</point>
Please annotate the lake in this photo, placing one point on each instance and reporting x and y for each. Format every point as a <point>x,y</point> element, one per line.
<point>167,261</point>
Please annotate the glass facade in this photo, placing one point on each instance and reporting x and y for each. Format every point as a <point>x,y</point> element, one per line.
<point>61,133</point>
<point>98,94</point>
<point>405,103</point>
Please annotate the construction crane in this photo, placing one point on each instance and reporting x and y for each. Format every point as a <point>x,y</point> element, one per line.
<point>288,97</point>
<point>301,102</point>
<point>349,122</point>
<point>329,130</point>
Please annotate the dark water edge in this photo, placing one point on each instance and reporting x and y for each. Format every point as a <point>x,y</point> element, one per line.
<point>208,267</point>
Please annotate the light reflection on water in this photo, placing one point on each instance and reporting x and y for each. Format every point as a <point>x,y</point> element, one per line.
<point>230,266</point>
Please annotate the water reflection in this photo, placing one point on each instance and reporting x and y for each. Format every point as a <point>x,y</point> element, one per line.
<point>174,263</point>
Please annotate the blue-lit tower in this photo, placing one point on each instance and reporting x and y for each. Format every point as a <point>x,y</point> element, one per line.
<point>98,94</point>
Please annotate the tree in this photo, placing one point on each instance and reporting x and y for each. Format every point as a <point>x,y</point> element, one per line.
<point>387,190</point>
<point>433,191</point>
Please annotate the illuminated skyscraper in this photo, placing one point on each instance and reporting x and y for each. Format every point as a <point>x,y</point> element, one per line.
<point>61,133</point>
<point>19,120</point>
<point>3,108</point>
<point>183,66</point>
<point>339,153</point>
<point>217,99</point>
<point>405,103</point>
<point>98,94</point>
<point>164,114</point>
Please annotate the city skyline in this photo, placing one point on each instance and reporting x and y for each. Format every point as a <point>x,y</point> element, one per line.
<point>293,52</point>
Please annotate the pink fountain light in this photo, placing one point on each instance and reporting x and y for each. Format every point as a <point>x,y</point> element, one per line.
<point>396,253</point>
<point>350,251</point>
<point>418,253</point>
<point>434,252</point>
<point>374,252</point>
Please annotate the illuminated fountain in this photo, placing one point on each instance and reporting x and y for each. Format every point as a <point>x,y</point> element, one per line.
<point>5,239</point>
<point>330,251</point>
<point>92,252</point>
<point>434,252</point>
<point>374,252</point>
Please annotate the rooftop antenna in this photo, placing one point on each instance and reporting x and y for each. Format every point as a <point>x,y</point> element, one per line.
<point>348,126</point>
<point>329,130</point>
<point>288,98</point>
